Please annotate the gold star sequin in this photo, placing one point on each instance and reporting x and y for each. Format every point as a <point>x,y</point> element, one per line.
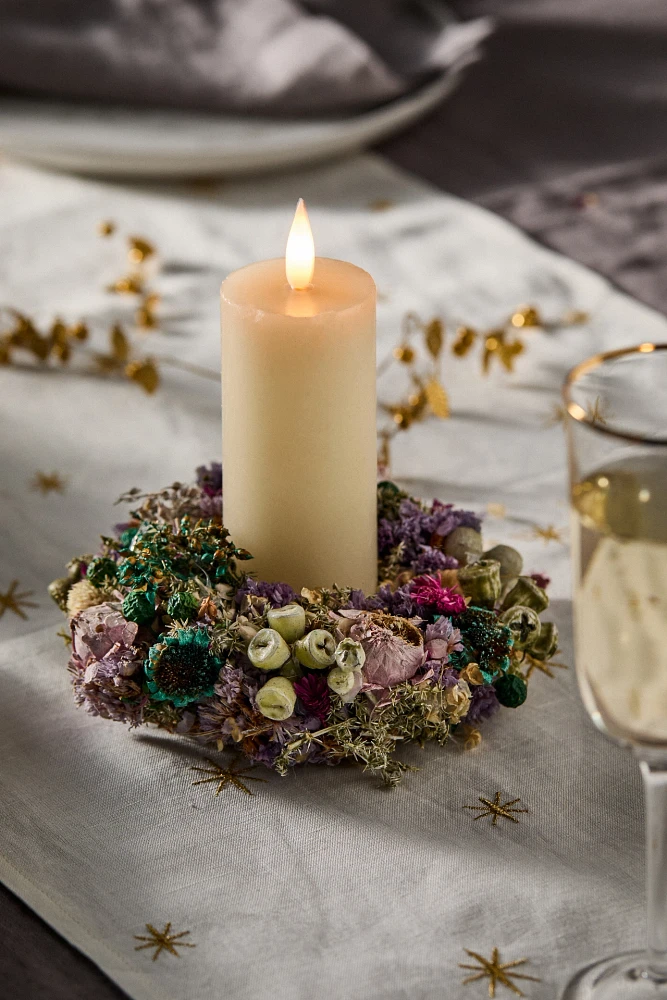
<point>162,940</point>
<point>48,482</point>
<point>494,807</point>
<point>496,972</point>
<point>15,601</point>
<point>549,533</point>
<point>223,776</point>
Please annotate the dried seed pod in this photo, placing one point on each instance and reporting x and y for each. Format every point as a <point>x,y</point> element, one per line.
<point>463,544</point>
<point>276,700</point>
<point>523,623</point>
<point>526,593</point>
<point>480,581</point>
<point>546,643</point>
<point>511,561</point>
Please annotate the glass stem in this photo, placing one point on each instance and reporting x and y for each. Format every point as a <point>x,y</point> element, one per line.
<point>654,774</point>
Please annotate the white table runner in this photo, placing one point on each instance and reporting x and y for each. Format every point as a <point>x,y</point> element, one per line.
<point>321,881</point>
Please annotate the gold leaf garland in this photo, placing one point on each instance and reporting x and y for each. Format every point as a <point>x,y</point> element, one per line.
<point>420,351</point>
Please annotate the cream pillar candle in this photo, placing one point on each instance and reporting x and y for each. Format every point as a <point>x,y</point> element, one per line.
<point>299,412</point>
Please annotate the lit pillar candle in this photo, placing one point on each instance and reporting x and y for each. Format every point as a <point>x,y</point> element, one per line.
<point>299,412</point>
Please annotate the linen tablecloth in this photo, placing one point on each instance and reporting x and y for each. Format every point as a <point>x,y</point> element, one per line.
<point>321,881</point>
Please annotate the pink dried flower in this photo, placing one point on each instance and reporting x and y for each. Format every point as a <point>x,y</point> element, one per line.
<point>428,592</point>
<point>442,639</point>
<point>390,658</point>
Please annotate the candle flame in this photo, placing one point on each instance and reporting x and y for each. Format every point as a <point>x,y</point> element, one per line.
<point>300,253</point>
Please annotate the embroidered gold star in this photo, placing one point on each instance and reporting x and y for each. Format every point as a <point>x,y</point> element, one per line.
<point>223,776</point>
<point>496,972</point>
<point>162,940</point>
<point>48,482</point>
<point>14,600</point>
<point>548,534</point>
<point>494,807</point>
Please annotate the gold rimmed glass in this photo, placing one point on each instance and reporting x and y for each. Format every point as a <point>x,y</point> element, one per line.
<point>616,406</point>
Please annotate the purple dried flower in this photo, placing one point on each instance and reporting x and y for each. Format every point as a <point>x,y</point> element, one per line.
<point>448,678</point>
<point>359,602</point>
<point>431,560</point>
<point>483,705</point>
<point>103,663</point>
<point>230,683</point>
<point>444,519</point>
<point>397,602</point>
<point>210,505</point>
<point>277,594</point>
<point>385,536</point>
<point>313,692</point>
<point>209,478</point>
<point>541,580</point>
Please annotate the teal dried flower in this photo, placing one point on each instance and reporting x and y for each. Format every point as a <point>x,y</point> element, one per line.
<point>127,536</point>
<point>182,605</point>
<point>486,641</point>
<point>101,569</point>
<point>181,668</point>
<point>511,690</point>
<point>139,607</point>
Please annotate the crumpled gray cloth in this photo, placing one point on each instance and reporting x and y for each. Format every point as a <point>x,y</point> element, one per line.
<point>242,56</point>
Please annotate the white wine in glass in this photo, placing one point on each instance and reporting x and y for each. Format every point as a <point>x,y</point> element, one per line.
<point>617,428</point>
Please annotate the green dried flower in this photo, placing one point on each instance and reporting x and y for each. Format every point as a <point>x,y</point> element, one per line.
<point>511,690</point>
<point>101,569</point>
<point>139,607</point>
<point>182,605</point>
<point>481,582</point>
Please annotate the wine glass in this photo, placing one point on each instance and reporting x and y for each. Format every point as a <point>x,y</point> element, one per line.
<point>616,406</point>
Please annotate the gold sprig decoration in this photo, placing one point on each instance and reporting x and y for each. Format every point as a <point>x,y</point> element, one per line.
<point>22,341</point>
<point>22,336</point>
<point>142,264</point>
<point>421,350</point>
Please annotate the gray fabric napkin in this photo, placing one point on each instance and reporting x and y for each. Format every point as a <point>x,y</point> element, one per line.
<point>242,56</point>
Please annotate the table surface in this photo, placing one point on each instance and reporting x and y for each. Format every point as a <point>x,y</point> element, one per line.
<point>560,129</point>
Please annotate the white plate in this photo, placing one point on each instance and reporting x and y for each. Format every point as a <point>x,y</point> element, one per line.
<point>144,143</point>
